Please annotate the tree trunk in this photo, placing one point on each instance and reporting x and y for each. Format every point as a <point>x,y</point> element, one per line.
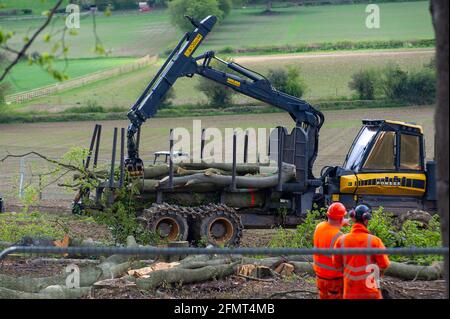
<point>51,292</point>
<point>410,272</point>
<point>112,267</point>
<point>241,169</point>
<point>181,275</point>
<point>439,12</point>
<point>287,174</point>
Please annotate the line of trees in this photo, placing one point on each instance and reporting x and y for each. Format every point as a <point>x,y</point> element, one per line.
<point>396,84</point>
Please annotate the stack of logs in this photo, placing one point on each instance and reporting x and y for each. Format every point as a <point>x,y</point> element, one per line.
<point>207,179</point>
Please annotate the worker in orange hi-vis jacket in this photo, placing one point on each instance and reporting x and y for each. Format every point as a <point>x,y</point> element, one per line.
<point>328,277</point>
<point>361,272</point>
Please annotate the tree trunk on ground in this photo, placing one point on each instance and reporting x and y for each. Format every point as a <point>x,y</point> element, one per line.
<point>112,267</point>
<point>410,272</point>
<point>397,270</point>
<point>181,275</point>
<point>439,12</point>
<point>52,292</point>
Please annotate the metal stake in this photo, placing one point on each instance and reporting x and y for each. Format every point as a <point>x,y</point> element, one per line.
<point>91,147</point>
<point>233,176</point>
<point>97,146</point>
<point>171,160</point>
<point>202,143</point>
<point>113,161</point>
<point>280,157</point>
<point>122,156</point>
<point>246,147</point>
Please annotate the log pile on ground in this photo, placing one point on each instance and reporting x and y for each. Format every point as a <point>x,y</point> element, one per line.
<point>120,271</point>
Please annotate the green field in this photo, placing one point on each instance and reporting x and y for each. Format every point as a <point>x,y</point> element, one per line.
<point>316,24</point>
<point>25,77</point>
<point>134,34</point>
<point>38,6</point>
<point>129,34</point>
<point>122,34</point>
<point>326,75</point>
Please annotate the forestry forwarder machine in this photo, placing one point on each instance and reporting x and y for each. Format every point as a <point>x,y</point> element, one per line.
<point>384,167</point>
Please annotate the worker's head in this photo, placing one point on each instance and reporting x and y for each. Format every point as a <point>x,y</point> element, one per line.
<point>336,212</point>
<point>361,214</point>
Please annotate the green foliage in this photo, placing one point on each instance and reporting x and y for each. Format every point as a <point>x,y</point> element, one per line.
<point>217,94</point>
<point>394,82</point>
<point>14,226</point>
<point>225,6</point>
<point>287,80</point>
<point>302,237</point>
<point>418,87</point>
<point>421,87</point>
<point>121,218</point>
<point>116,4</point>
<point>198,9</point>
<point>383,224</point>
<point>364,82</point>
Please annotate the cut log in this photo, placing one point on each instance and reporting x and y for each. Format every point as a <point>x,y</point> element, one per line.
<point>152,172</point>
<point>146,185</point>
<point>242,200</point>
<point>112,267</point>
<point>183,172</point>
<point>182,275</point>
<point>411,272</point>
<point>288,173</point>
<point>51,292</point>
<point>240,168</point>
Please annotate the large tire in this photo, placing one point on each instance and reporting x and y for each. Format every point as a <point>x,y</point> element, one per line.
<point>219,225</point>
<point>167,221</point>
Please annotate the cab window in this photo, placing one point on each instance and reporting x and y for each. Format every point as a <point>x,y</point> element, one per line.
<point>410,152</point>
<point>382,154</point>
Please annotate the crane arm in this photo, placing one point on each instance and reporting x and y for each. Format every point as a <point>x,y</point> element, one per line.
<point>181,63</point>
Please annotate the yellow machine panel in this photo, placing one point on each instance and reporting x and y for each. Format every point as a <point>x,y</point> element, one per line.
<point>387,184</point>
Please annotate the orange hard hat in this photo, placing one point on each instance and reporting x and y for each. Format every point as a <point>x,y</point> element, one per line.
<point>336,211</point>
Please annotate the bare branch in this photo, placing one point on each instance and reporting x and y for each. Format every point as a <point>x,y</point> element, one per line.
<point>67,166</point>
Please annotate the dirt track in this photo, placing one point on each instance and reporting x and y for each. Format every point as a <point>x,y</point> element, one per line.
<point>306,56</point>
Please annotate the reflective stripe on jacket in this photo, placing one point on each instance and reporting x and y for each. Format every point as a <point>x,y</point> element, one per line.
<point>361,272</point>
<point>325,236</point>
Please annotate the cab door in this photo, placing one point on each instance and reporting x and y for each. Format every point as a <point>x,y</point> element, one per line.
<point>392,165</point>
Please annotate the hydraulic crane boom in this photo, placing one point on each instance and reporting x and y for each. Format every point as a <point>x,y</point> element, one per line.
<point>181,63</point>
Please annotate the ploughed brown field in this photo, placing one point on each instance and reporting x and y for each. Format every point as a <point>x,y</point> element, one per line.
<point>54,139</point>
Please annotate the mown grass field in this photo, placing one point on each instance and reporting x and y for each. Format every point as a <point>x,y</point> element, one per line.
<point>294,25</point>
<point>130,34</point>
<point>134,34</point>
<point>326,75</point>
<point>38,6</point>
<point>25,77</point>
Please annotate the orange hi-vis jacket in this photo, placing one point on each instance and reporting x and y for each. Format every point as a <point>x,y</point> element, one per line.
<point>361,272</point>
<point>325,236</point>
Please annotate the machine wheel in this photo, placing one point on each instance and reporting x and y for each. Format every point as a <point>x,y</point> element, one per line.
<point>168,221</point>
<point>219,225</point>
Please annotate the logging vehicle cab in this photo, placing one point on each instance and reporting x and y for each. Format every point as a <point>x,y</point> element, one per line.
<point>385,165</point>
